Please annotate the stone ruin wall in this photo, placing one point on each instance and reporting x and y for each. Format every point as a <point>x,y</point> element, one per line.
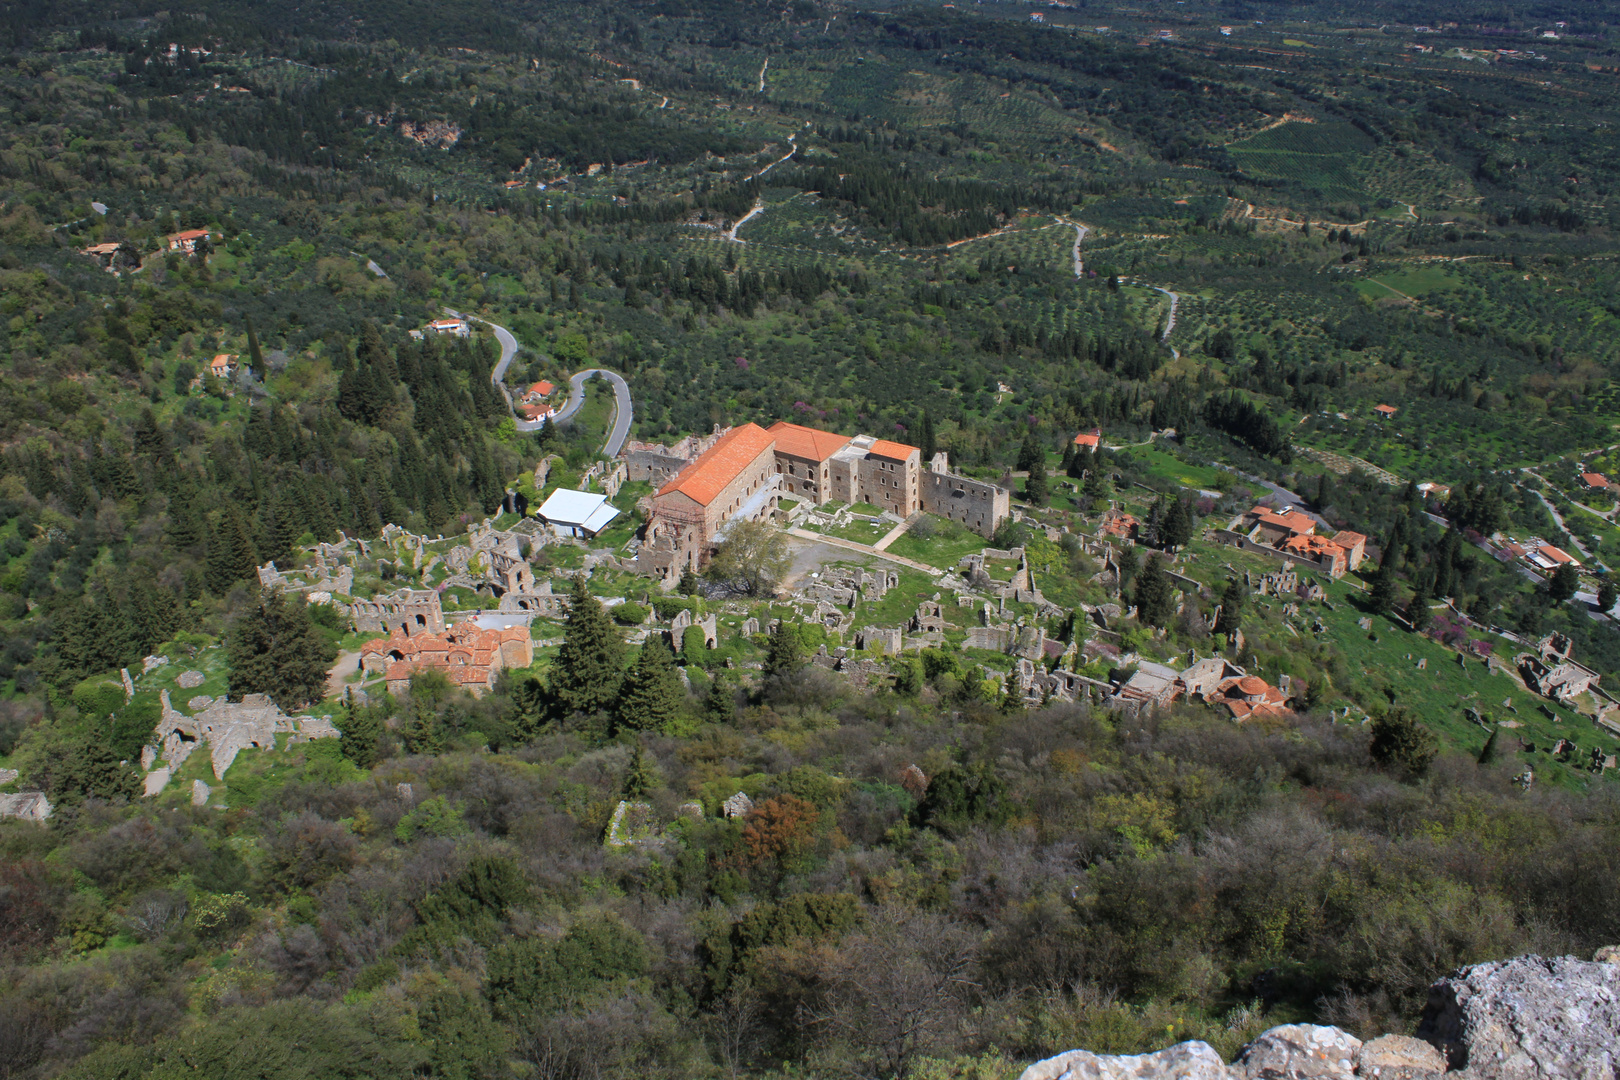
<point>976,504</point>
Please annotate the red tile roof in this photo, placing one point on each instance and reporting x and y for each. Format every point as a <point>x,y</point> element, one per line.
<point>806,443</point>
<point>543,388</point>
<point>883,448</point>
<point>1347,539</point>
<point>1387,410</point>
<point>1091,438</point>
<point>1294,521</point>
<point>706,477</point>
<point>1557,555</point>
<point>1592,479</point>
<point>189,234</point>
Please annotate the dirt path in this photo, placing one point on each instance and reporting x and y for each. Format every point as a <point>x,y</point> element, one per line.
<point>863,549</point>
<point>731,233</point>
<point>347,663</point>
<point>1079,235</point>
<point>762,68</point>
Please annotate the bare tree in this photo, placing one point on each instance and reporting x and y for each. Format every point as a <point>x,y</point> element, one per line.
<point>154,913</point>
<point>901,988</point>
<point>735,1025</point>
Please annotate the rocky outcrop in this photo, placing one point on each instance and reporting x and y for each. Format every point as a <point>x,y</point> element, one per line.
<point>1531,1018</point>
<point>1528,1018</point>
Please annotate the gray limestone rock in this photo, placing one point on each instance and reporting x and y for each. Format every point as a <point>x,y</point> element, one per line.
<point>199,703</point>
<point>199,793</point>
<point>190,680</point>
<point>1529,1018</point>
<point>156,781</point>
<point>1609,954</point>
<point>1300,1052</point>
<point>1399,1057</point>
<point>1183,1061</point>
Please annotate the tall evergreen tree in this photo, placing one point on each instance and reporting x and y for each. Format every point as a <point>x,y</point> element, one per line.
<point>255,357</point>
<point>642,775</point>
<point>361,729</point>
<point>231,558</point>
<point>1177,527</point>
<point>1153,594</point>
<point>651,696</point>
<point>1030,453</point>
<point>275,649</point>
<point>784,653</point>
<point>1037,489</point>
<point>930,445</point>
<point>590,665</point>
<point>1384,584</point>
<point>1233,599</point>
<point>1417,608</point>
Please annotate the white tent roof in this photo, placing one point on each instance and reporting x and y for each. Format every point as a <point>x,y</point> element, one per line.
<point>578,509</point>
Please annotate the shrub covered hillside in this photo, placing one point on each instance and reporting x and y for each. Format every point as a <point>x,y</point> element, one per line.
<point>917,891</point>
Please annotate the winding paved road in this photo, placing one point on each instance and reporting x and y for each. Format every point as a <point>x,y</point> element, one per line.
<point>623,412</point>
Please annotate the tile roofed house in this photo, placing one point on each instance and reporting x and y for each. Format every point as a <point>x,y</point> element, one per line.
<point>1354,545</point>
<point>186,241</point>
<point>736,477</point>
<point>539,391</point>
<point>1385,410</point>
<point>1319,549</point>
<point>1089,439</point>
<point>1547,557</point>
<point>532,411</point>
<point>454,327</point>
<point>221,365</point>
<point>1594,480</point>
<point>469,655</point>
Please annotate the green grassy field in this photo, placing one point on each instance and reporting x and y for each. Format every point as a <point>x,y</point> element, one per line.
<point>1320,156</point>
<point>1417,282</point>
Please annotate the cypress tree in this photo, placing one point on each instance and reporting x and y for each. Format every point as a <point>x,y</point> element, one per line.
<point>930,445</point>
<point>784,653</point>
<point>1232,601</point>
<point>652,695</point>
<point>1487,754</point>
<point>255,357</point>
<point>361,730</point>
<point>1417,608</point>
<point>642,776</point>
<point>590,664</point>
<point>719,704</point>
<point>1030,455</point>
<point>1383,590</point>
<point>1036,488</point>
<point>1153,594</point>
<point>1178,526</point>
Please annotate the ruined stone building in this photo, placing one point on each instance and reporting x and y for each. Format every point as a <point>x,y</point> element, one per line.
<point>408,611</point>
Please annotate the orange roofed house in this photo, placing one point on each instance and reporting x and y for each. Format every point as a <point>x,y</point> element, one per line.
<point>538,392</point>
<point>1089,440</point>
<point>186,241</point>
<point>469,655</point>
<point>1294,535</point>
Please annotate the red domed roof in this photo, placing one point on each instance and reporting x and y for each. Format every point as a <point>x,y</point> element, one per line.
<point>1251,686</point>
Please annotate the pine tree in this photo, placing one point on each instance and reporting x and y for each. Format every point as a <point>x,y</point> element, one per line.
<point>1012,699</point>
<point>1487,753</point>
<point>1177,528</point>
<point>1096,487</point>
<point>784,653</point>
<point>1037,489</point>
<point>590,665</point>
<point>1153,594</point>
<point>231,558</point>
<point>651,696</point>
<point>275,649</point>
<point>1562,585</point>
